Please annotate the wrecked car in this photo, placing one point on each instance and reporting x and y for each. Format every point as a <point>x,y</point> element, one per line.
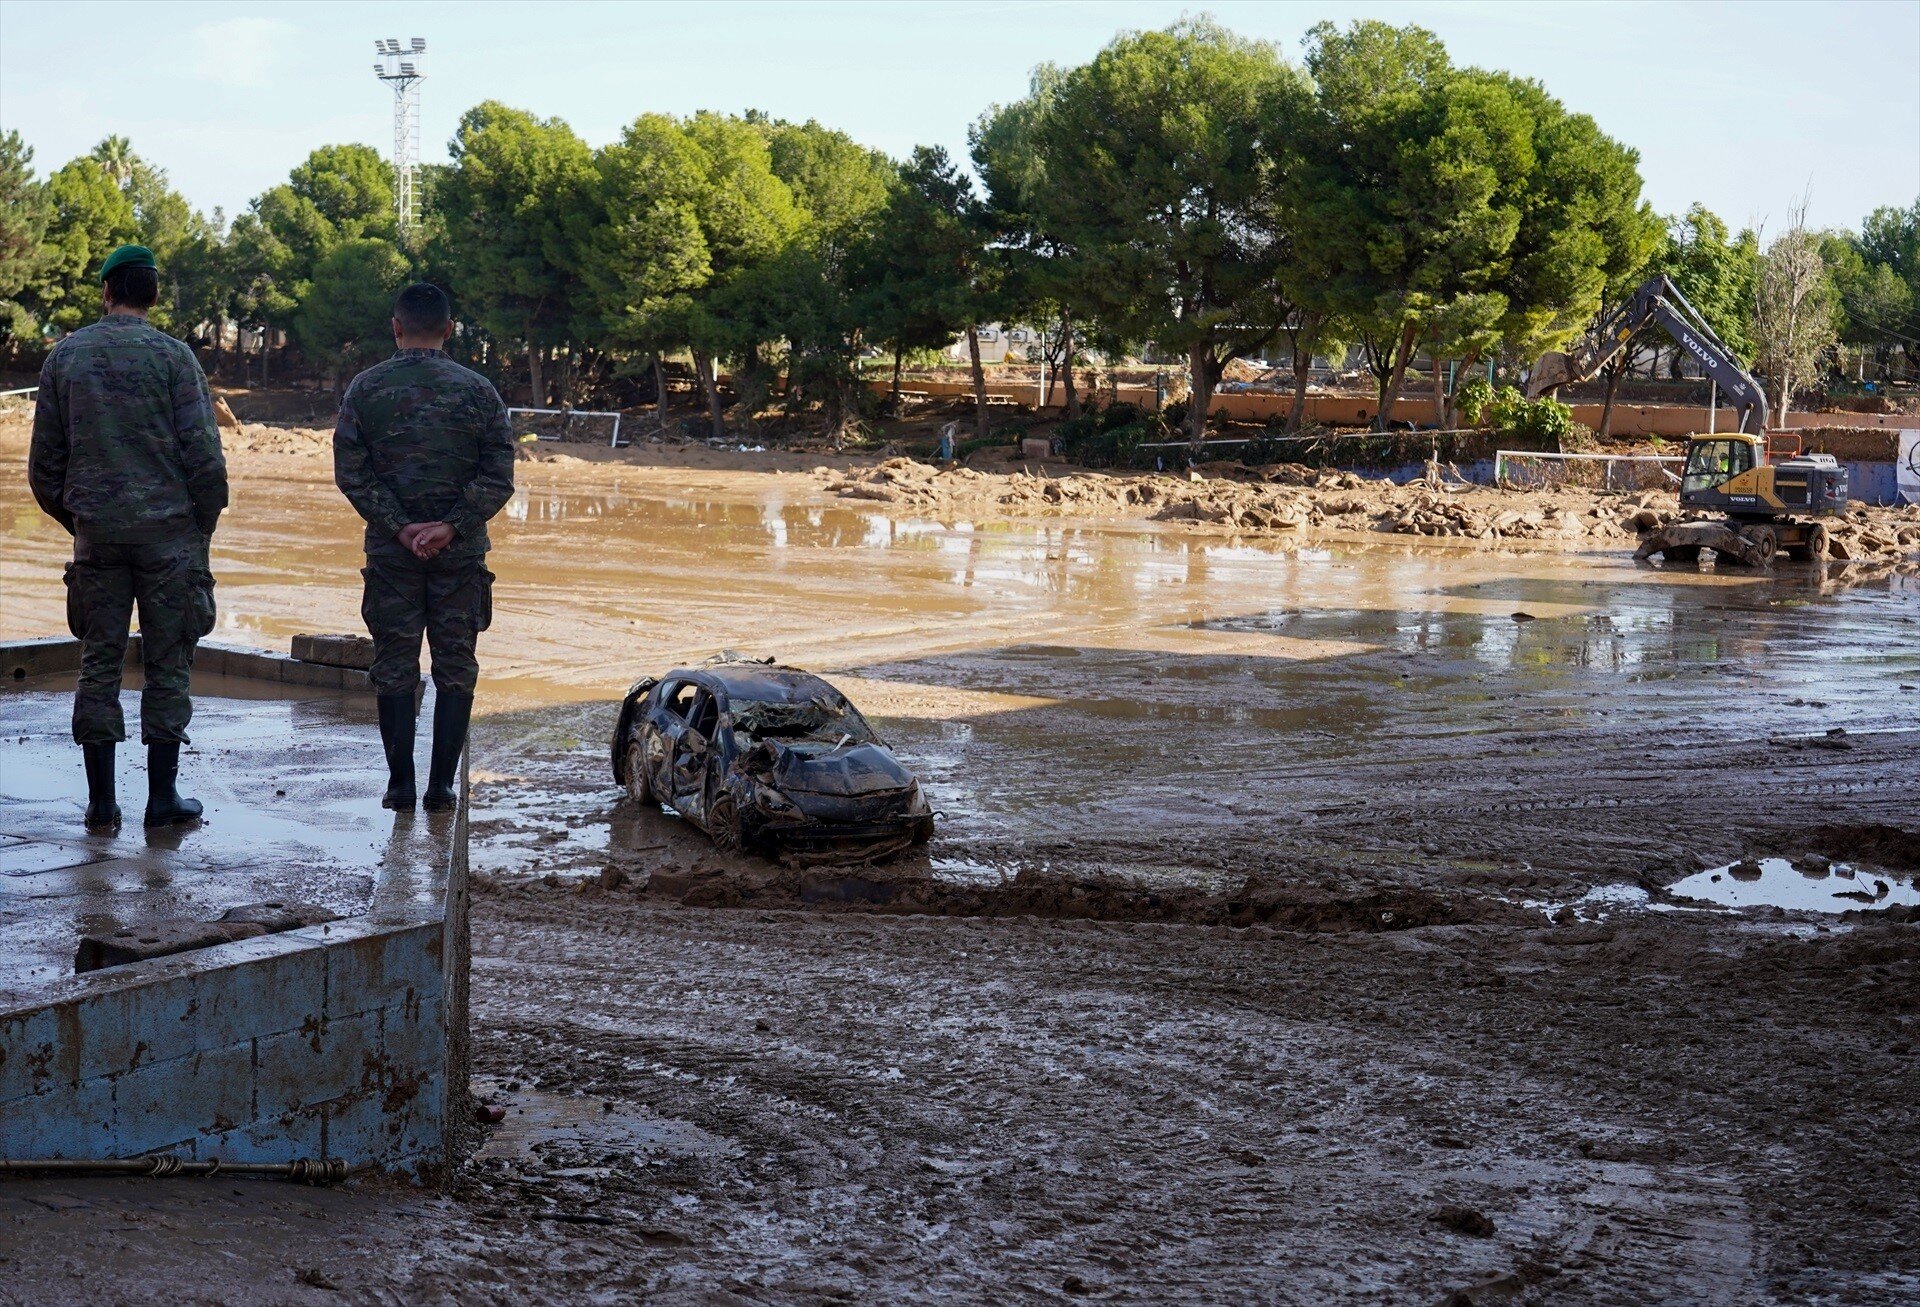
<point>767,759</point>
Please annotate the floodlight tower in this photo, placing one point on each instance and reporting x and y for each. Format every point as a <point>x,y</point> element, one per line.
<point>401,68</point>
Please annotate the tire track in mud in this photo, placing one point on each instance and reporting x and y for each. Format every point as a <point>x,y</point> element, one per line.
<point>1143,1108</point>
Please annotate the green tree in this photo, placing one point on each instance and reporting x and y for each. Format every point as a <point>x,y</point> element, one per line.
<point>915,265</point>
<point>1044,280</point>
<point>339,193</point>
<point>23,229</point>
<point>748,219</point>
<point>1413,194</point>
<point>351,187</point>
<point>268,276</point>
<point>1876,306</point>
<point>200,282</point>
<point>1586,237</point>
<point>88,215</point>
<point>344,319</point>
<point>812,305</point>
<point>162,216</point>
<point>1716,273</point>
<point>168,225</point>
<point>517,211</point>
<point>1877,276</point>
<point>686,214</point>
<point>952,278</point>
<point>1586,241</point>
<point>647,257</point>
<point>1891,237</point>
<point>1157,177</point>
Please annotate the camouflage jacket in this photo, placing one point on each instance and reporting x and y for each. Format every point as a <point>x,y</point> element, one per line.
<point>125,448</point>
<point>422,439</point>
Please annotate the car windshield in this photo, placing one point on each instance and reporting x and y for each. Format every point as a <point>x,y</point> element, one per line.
<point>822,717</point>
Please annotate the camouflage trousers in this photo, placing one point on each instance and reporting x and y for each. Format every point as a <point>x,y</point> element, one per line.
<point>171,583</point>
<point>450,600</point>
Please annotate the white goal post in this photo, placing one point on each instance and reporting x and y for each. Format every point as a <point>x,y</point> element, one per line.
<point>1530,469</point>
<point>558,431</point>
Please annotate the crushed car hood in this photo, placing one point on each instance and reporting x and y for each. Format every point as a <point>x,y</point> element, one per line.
<point>808,768</point>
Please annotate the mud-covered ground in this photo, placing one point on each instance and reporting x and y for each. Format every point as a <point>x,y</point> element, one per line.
<point>1301,927</point>
<point>725,1106</point>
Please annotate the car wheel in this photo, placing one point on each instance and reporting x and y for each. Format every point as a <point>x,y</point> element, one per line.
<point>639,787</point>
<point>723,823</point>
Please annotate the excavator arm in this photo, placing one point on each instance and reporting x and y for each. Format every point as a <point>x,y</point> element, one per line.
<point>1657,301</point>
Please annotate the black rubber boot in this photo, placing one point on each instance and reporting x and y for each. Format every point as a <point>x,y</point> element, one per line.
<point>450,714</point>
<point>103,808</point>
<point>165,807</point>
<point>396,735</point>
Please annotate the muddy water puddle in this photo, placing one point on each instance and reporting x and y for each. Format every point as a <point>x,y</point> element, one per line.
<point>540,1126</point>
<point>1798,886</point>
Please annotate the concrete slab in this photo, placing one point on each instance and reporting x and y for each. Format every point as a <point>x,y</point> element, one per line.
<point>291,778</point>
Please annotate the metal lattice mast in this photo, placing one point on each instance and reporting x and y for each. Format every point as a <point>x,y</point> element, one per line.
<point>402,69</point>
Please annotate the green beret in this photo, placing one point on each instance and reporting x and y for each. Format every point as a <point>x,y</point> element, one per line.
<point>128,256</point>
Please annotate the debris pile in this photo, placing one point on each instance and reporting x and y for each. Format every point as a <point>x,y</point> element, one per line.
<point>1869,533</point>
<point>1292,498</point>
<point>1284,497</point>
<point>260,438</point>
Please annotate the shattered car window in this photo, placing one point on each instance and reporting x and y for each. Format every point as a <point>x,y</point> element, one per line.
<point>818,718</point>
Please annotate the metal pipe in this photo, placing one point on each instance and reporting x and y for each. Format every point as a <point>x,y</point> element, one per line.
<point>319,1171</point>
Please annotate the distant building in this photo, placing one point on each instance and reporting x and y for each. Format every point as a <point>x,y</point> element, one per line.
<point>995,343</point>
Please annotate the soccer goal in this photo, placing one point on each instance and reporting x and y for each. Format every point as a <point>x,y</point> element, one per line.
<point>575,424</point>
<point>1526,470</point>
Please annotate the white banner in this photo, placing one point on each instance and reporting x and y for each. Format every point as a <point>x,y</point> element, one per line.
<point>1907,471</point>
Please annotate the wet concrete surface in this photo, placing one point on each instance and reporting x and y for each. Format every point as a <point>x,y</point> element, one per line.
<point>995,1099</point>
<point>292,794</point>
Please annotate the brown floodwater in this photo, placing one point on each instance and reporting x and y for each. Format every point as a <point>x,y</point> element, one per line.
<point>1069,687</point>
<point>598,584</point>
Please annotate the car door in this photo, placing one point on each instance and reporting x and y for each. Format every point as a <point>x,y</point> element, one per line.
<point>691,751</point>
<point>664,730</point>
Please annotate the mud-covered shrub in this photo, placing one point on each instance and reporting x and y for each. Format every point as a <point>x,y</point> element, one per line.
<point>1530,423</point>
<point>1118,446</point>
<point>1579,439</point>
<point>1473,399</point>
<point>1107,437</point>
<point>1094,421</point>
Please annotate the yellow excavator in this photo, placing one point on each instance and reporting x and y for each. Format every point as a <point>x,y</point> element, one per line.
<point>1767,493</point>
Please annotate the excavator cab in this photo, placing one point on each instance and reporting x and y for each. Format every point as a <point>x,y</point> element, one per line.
<point>1712,461</point>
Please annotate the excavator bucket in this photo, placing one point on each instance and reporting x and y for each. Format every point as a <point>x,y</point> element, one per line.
<point>1549,374</point>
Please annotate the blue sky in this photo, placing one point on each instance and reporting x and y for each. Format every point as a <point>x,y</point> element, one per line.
<point>1743,106</point>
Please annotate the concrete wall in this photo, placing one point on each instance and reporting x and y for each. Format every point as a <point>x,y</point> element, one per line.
<point>346,1040</point>
<point>1871,481</point>
<point>22,660</point>
<point>1349,410</point>
<point>324,1042</point>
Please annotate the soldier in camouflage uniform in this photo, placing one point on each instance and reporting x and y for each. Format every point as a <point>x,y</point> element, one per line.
<point>126,456</point>
<point>423,452</point>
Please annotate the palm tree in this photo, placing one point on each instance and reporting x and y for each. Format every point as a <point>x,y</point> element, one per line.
<point>115,154</point>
